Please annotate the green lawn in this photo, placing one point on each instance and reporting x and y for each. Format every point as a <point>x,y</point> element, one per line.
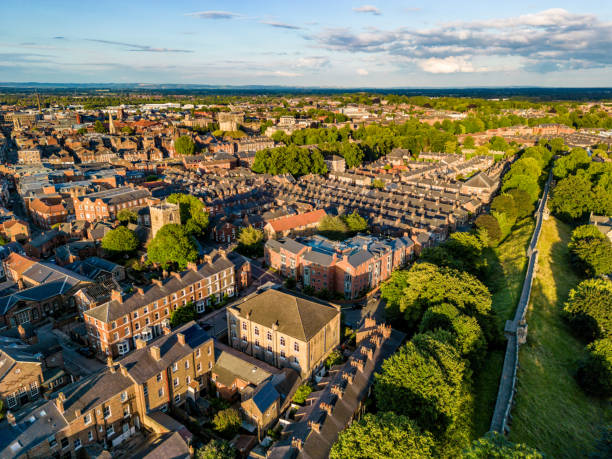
<point>551,412</point>
<point>507,263</point>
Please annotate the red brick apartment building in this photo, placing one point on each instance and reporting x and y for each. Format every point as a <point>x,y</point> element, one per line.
<point>108,203</point>
<point>47,213</point>
<point>114,326</point>
<point>350,267</point>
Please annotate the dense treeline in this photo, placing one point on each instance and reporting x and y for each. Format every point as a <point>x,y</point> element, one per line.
<point>289,160</point>
<point>445,306</point>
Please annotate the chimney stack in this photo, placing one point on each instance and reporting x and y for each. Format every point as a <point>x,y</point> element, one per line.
<point>110,364</point>
<point>59,402</point>
<point>10,417</point>
<point>140,343</point>
<point>192,266</point>
<point>117,295</point>
<point>180,338</point>
<point>140,291</point>
<point>22,332</point>
<point>155,352</point>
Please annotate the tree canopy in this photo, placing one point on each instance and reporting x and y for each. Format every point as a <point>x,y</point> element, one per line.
<point>227,422</point>
<point>120,240</point>
<point>194,216</point>
<point>184,145</point>
<point>588,308</point>
<point>571,198</point>
<point>495,446</point>
<point>591,251</point>
<point>383,436</point>
<point>172,245</point>
<point>182,315</point>
<point>127,216</point>
<point>250,241</point>
<point>216,449</point>
<point>289,160</point>
<point>423,380</point>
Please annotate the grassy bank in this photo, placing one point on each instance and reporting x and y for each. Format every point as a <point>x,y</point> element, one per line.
<point>552,413</point>
<point>507,263</point>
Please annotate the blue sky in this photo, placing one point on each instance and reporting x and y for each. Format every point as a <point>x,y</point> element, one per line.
<point>433,43</point>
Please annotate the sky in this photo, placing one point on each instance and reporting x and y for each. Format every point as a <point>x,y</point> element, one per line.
<point>332,43</point>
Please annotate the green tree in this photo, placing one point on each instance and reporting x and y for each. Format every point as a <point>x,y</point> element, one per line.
<point>127,130</point>
<point>570,163</point>
<point>184,145</point>
<point>82,131</point>
<point>524,205</point>
<point>595,371</point>
<point>571,198</point>
<point>172,245</point>
<point>378,183</point>
<point>495,446</point>
<point>334,358</point>
<point>527,183</point>
<point>591,251</point>
<point>490,224</point>
<point>333,227</point>
<point>194,216</point>
<point>352,154</point>
<point>468,142</point>
<point>505,204</point>
<point>302,393</point>
<point>216,449</point>
<point>250,241</point>
<point>356,223</point>
<point>468,337</point>
<point>227,422</point>
<point>121,240</point>
<point>588,309</point>
<point>99,127</point>
<point>383,436</point>
<point>127,216</point>
<point>182,315</point>
<point>424,380</point>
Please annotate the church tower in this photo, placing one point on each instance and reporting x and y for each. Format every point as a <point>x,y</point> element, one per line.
<point>162,214</point>
<point>111,124</point>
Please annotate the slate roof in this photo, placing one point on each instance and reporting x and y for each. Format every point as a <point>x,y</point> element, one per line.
<point>265,396</point>
<point>141,365</point>
<point>170,446</point>
<point>297,221</point>
<point>231,364</point>
<point>33,426</point>
<point>38,293</point>
<point>114,309</point>
<point>93,390</point>
<point>117,195</point>
<point>296,316</point>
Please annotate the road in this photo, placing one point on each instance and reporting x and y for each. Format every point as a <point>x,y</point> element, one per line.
<point>354,317</point>
<point>216,322</point>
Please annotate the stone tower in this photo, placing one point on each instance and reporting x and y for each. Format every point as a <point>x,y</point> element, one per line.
<point>162,214</point>
<point>111,124</point>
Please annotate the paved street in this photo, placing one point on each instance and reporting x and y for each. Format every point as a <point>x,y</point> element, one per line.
<point>354,317</point>
<point>216,322</point>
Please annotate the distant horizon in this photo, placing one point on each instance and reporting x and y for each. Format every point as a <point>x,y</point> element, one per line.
<point>345,43</point>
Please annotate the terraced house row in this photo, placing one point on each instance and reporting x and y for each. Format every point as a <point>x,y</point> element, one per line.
<point>111,405</point>
<point>113,327</point>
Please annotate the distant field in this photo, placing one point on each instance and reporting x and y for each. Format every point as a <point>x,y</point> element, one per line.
<point>508,262</point>
<point>551,412</point>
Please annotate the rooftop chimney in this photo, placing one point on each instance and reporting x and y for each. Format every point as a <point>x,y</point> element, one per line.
<point>155,352</point>
<point>180,338</point>
<point>157,282</point>
<point>22,332</point>
<point>10,417</point>
<point>140,343</point>
<point>123,370</point>
<point>140,291</point>
<point>110,364</point>
<point>117,295</point>
<point>59,402</point>
<point>192,266</point>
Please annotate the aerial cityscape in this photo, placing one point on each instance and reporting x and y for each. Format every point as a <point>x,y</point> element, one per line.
<point>250,229</point>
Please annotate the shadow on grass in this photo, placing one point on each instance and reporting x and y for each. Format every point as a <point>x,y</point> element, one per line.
<point>551,412</point>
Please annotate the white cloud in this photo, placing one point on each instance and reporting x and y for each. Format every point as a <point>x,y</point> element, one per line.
<point>362,72</point>
<point>214,15</point>
<point>312,62</point>
<point>449,64</point>
<point>367,9</point>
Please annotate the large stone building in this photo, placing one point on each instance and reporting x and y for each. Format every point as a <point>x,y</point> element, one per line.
<point>108,203</point>
<point>163,214</point>
<point>285,330</point>
<point>230,121</point>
